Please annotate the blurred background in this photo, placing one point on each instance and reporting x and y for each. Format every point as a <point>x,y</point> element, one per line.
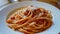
<point>55,3</point>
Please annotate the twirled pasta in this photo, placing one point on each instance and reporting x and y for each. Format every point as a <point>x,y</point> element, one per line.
<point>32,21</point>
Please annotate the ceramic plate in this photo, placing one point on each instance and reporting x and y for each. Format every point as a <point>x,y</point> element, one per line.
<point>54,29</point>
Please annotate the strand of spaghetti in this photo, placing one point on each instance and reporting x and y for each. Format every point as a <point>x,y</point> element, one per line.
<point>23,30</point>
<point>28,14</point>
<point>49,24</point>
<point>25,18</point>
<point>43,24</point>
<point>13,26</point>
<point>30,31</point>
<point>24,23</point>
<point>48,20</point>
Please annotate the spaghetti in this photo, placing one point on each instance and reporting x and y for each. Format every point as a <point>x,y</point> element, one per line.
<point>30,21</point>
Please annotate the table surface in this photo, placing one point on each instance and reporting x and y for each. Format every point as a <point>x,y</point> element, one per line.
<point>53,2</point>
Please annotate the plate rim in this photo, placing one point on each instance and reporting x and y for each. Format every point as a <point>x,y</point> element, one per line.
<point>26,1</point>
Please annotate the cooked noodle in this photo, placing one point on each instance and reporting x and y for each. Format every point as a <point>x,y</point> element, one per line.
<point>30,21</point>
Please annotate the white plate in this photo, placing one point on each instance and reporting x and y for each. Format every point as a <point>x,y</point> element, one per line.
<point>4,29</point>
